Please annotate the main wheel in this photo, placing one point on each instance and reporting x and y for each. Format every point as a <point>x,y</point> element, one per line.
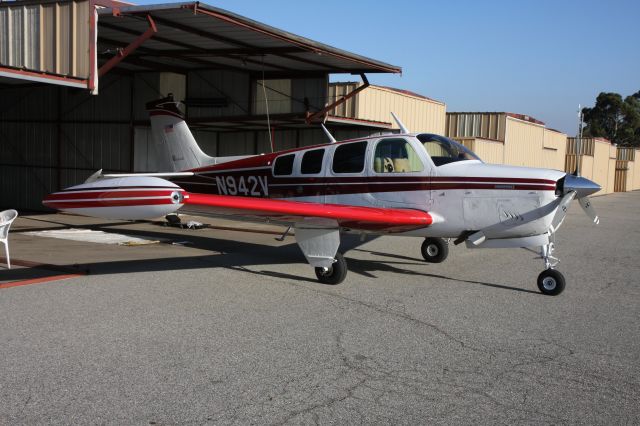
<point>551,282</point>
<point>434,250</point>
<point>336,272</point>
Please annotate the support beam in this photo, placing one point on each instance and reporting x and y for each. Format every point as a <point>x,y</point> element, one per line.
<point>323,111</point>
<point>130,48</point>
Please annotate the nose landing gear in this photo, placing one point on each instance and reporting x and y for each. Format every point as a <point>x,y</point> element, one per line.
<point>550,281</point>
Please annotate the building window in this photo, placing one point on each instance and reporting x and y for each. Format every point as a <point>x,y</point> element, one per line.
<point>349,158</point>
<point>284,165</point>
<point>396,156</point>
<point>312,162</point>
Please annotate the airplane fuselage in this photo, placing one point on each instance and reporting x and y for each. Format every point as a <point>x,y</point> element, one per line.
<point>395,171</point>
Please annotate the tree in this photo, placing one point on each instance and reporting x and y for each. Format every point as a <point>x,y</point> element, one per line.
<point>614,118</point>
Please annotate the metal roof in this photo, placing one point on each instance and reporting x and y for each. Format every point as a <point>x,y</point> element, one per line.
<point>194,35</point>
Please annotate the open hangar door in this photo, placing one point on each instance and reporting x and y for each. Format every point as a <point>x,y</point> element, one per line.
<point>226,68</point>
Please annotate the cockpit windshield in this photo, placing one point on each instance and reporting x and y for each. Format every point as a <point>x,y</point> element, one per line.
<point>444,150</point>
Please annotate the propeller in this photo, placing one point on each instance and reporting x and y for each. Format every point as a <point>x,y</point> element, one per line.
<point>582,188</point>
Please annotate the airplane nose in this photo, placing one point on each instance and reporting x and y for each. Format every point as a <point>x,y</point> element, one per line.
<point>582,186</point>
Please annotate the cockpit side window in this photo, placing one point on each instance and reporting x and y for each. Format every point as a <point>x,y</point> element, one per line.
<point>395,155</point>
<point>284,165</point>
<point>444,150</point>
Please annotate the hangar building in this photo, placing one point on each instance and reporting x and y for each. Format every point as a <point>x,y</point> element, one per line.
<point>75,76</point>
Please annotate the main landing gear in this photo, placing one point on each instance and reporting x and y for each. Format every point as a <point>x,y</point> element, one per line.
<point>435,250</point>
<point>550,281</point>
<point>334,274</point>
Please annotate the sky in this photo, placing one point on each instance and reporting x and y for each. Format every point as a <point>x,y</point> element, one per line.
<point>540,58</point>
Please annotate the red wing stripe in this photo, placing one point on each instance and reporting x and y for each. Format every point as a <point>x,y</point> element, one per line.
<point>268,207</point>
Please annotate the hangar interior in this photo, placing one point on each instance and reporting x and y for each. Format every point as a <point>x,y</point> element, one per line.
<point>71,107</point>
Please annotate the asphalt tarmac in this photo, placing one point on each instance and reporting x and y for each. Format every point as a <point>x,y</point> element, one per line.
<point>231,327</point>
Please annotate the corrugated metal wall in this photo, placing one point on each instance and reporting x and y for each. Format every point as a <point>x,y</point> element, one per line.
<point>485,125</point>
<point>627,176</point>
<point>523,143</point>
<point>376,103</point>
<point>597,162</point>
<point>501,139</point>
<point>636,171</point>
<point>554,150</point>
<point>54,137</point>
<point>347,108</point>
<point>489,151</point>
<point>418,114</point>
<point>49,37</point>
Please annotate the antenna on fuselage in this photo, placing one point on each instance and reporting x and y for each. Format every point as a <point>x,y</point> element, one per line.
<point>329,135</point>
<point>403,128</point>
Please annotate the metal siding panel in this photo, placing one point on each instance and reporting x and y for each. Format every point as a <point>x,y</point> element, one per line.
<point>233,86</point>
<point>236,144</point>
<point>4,35</point>
<point>523,144</point>
<point>32,51</point>
<point>49,46</point>
<point>636,171</point>
<point>113,103</point>
<point>314,90</point>
<point>64,40</point>
<point>40,37</point>
<point>601,166</point>
<point>145,154</point>
<point>81,26</point>
<point>207,141</point>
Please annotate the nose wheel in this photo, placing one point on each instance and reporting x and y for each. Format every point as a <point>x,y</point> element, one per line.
<point>551,282</point>
<point>435,250</point>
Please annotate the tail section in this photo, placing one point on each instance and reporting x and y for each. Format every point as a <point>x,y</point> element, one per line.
<point>174,142</point>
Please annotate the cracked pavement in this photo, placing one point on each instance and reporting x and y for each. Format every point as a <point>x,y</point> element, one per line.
<point>233,329</point>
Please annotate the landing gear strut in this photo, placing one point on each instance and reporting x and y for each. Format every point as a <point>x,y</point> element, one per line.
<point>550,281</point>
<point>434,250</point>
<point>334,274</point>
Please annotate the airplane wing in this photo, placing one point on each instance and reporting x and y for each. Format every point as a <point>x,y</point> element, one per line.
<point>378,219</point>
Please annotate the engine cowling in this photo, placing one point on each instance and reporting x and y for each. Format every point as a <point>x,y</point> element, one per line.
<point>132,198</point>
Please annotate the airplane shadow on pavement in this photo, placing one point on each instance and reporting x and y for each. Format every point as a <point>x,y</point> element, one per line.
<point>239,255</point>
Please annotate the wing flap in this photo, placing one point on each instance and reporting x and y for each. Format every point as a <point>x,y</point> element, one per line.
<point>354,217</point>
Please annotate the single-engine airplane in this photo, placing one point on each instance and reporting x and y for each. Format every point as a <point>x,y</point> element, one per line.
<point>409,184</point>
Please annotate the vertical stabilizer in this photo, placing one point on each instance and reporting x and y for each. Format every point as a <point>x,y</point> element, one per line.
<point>177,149</point>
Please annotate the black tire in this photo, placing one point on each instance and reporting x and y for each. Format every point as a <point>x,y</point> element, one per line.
<point>434,250</point>
<point>335,274</point>
<point>551,282</point>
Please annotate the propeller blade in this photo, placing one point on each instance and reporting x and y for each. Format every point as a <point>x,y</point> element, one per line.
<point>585,203</point>
<point>561,213</point>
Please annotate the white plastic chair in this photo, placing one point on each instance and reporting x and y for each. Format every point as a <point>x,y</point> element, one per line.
<point>6,219</point>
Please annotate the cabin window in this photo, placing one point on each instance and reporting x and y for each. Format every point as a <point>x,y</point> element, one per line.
<point>312,162</point>
<point>284,165</point>
<point>396,156</point>
<point>349,158</point>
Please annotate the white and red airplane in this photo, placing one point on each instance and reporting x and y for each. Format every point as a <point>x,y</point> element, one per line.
<point>408,184</point>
